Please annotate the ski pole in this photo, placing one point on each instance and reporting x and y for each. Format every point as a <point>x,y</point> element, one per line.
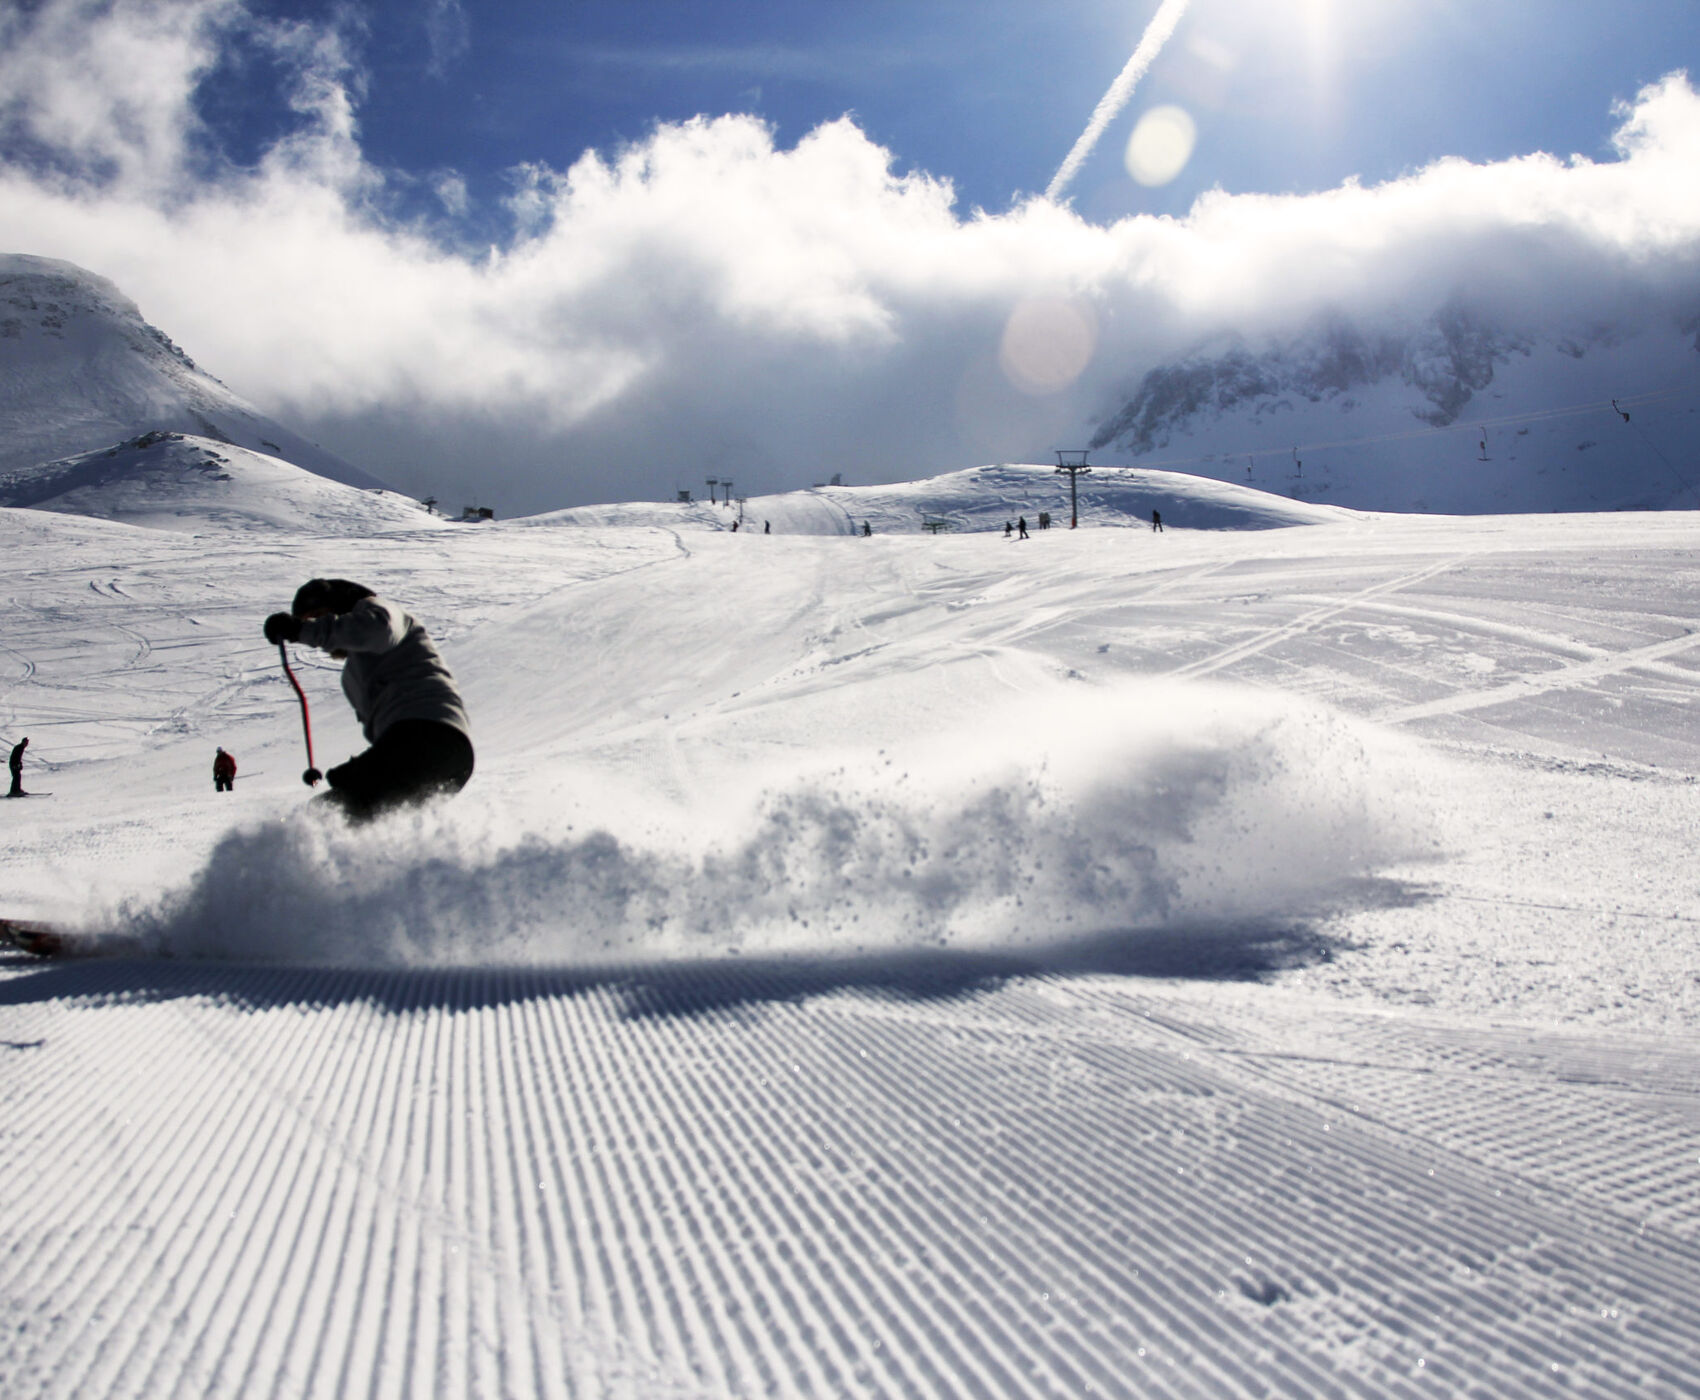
<point>312,775</point>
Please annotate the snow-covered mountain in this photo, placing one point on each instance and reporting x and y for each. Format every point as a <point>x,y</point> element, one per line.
<point>80,370</point>
<point>1458,414</point>
<point>176,481</point>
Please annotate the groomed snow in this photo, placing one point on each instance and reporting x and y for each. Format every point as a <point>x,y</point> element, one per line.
<point>1224,961</point>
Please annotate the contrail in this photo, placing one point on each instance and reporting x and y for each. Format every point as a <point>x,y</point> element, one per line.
<point>1110,104</point>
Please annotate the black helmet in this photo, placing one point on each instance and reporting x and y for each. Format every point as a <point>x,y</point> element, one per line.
<point>336,595</point>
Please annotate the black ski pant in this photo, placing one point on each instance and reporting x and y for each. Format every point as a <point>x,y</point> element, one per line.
<point>412,760</point>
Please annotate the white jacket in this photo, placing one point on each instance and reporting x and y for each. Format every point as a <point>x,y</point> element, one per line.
<point>393,670</point>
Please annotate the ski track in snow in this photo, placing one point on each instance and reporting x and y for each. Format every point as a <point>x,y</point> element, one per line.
<point>1328,1027</point>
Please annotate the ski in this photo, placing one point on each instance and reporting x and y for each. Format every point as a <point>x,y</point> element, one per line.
<point>46,940</point>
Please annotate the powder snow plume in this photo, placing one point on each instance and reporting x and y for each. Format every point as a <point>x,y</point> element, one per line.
<point>1136,808</point>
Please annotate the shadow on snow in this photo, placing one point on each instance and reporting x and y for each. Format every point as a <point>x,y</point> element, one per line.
<point>681,988</point>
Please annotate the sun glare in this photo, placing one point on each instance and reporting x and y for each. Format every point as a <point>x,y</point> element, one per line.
<point>1160,145</point>
<point>1321,31</point>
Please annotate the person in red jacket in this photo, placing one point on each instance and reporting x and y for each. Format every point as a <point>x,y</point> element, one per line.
<point>224,772</point>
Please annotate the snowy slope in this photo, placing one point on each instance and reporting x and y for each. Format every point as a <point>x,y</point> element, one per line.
<point>975,499</point>
<point>1216,962</point>
<point>178,482</point>
<point>81,370</point>
<point>1455,416</point>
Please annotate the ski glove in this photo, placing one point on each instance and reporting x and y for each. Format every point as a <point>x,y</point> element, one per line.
<point>283,627</point>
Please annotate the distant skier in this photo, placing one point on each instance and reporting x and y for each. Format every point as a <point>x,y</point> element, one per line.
<point>17,764</point>
<point>865,529</point>
<point>1021,528</point>
<point>224,772</point>
<point>401,691</point>
<point>1008,529</point>
<point>1157,521</point>
<point>767,527</point>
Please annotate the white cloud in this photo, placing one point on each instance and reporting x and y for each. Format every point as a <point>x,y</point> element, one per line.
<point>103,91</point>
<point>450,188</point>
<point>448,33</point>
<point>705,298</point>
<point>762,61</point>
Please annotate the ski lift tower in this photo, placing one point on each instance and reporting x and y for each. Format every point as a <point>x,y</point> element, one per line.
<point>1072,464</point>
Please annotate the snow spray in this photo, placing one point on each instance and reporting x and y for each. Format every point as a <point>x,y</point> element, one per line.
<point>1162,806</point>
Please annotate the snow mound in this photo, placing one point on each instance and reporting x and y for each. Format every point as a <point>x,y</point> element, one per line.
<point>81,369</point>
<point>976,499</point>
<point>175,481</point>
<point>1153,806</point>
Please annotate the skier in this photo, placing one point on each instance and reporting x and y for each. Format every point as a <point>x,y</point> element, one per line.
<point>1021,528</point>
<point>224,772</point>
<point>402,693</point>
<point>1157,521</point>
<point>17,763</point>
<point>865,529</point>
<point>1008,530</point>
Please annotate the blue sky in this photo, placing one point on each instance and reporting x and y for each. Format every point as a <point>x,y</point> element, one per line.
<point>548,254</point>
<point>1288,95</point>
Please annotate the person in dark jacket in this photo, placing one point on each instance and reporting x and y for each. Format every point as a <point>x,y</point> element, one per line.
<point>402,693</point>
<point>17,765</point>
<point>224,772</point>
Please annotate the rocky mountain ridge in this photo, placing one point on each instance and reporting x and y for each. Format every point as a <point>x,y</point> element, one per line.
<point>1405,418</point>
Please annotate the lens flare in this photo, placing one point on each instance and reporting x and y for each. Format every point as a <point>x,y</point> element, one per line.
<point>1046,344</point>
<point>1161,145</point>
